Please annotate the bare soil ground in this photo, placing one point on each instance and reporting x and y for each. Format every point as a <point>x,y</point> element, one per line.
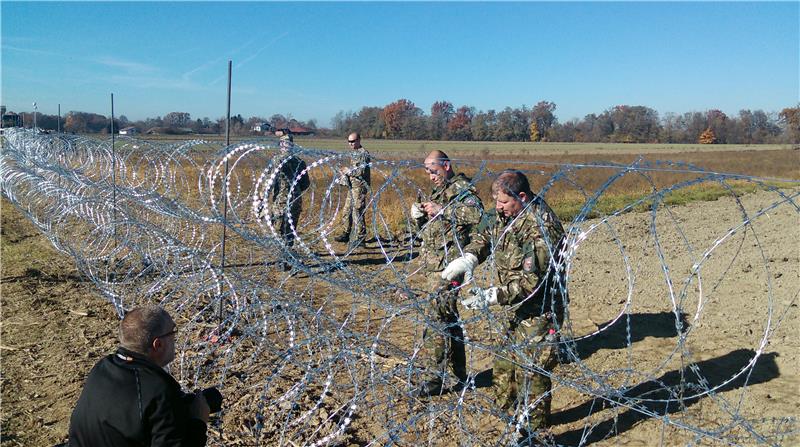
<point>55,326</point>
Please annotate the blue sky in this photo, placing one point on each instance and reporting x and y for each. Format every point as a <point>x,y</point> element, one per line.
<point>312,60</point>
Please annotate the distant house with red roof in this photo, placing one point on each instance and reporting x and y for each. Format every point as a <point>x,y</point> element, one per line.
<point>299,130</point>
<point>269,128</point>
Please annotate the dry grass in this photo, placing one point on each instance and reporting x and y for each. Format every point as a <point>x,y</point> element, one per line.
<point>584,170</point>
<point>493,149</point>
<point>585,174</point>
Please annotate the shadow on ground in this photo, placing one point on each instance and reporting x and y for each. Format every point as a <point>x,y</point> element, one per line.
<point>614,335</point>
<point>714,372</point>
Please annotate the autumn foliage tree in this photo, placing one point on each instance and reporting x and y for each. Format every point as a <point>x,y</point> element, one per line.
<point>544,118</point>
<point>441,113</point>
<point>83,122</point>
<point>634,124</point>
<point>707,137</point>
<point>403,119</point>
<point>397,116</point>
<point>460,125</point>
<point>718,123</point>
<point>535,134</point>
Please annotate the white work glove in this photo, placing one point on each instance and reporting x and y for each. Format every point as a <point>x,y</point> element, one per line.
<point>460,266</point>
<point>480,298</point>
<point>416,211</point>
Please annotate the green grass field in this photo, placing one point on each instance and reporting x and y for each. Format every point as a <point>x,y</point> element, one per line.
<point>529,148</point>
<point>494,147</point>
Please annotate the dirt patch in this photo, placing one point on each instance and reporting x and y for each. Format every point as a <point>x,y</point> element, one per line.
<point>54,328</point>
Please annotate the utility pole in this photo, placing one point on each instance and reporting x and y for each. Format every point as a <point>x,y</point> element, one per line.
<point>113,171</point>
<point>225,185</point>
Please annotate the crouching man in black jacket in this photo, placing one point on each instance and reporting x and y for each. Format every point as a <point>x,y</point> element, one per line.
<point>130,400</point>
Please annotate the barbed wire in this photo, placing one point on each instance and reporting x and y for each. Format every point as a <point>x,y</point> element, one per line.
<point>315,343</point>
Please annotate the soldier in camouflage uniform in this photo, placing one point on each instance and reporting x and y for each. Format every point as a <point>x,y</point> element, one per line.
<point>526,237</point>
<point>357,179</point>
<point>283,203</point>
<point>445,223</point>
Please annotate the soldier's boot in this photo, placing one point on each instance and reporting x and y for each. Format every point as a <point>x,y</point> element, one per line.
<point>356,243</point>
<point>458,358</point>
<point>529,438</point>
<point>537,432</point>
<point>567,350</point>
<point>358,238</point>
<point>435,359</point>
<point>463,382</point>
<point>430,388</point>
<point>536,437</point>
<point>284,266</point>
<point>539,416</point>
<point>526,439</point>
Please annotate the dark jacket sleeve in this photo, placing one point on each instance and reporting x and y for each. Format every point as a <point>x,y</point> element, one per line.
<point>171,424</point>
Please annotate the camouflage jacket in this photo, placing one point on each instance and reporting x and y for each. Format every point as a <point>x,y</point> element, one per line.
<point>358,175</point>
<point>289,167</point>
<point>445,235</point>
<point>522,247</point>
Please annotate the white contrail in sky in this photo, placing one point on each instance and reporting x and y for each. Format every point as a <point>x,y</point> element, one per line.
<point>253,55</point>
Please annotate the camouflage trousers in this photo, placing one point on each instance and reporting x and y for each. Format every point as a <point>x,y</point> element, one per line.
<point>280,220</point>
<point>515,385</point>
<point>443,338</point>
<point>353,213</point>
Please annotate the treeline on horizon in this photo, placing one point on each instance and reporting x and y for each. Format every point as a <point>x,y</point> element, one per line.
<point>402,119</point>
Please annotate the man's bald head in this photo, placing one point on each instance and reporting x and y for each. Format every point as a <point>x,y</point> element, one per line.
<point>438,167</point>
<point>354,140</point>
<point>435,156</point>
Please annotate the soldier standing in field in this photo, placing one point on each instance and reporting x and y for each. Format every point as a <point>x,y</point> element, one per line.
<point>357,180</point>
<point>445,223</point>
<point>285,203</point>
<point>526,237</point>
